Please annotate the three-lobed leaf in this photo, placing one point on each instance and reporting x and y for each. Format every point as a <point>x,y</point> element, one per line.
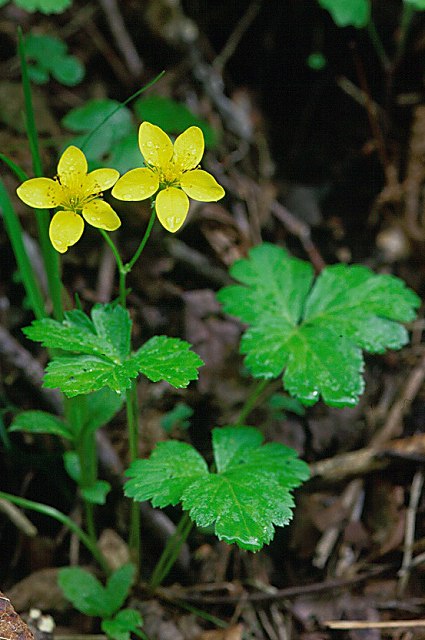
<point>100,353</point>
<point>49,56</point>
<point>229,500</point>
<point>314,333</point>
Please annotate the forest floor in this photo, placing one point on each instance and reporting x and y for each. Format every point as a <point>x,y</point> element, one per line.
<point>329,163</point>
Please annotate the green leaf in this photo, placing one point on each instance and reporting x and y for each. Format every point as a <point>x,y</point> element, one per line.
<point>107,334</point>
<point>41,422</point>
<point>169,359</point>
<point>86,118</point>
<point>177,417</point>
<point>419,5</point>
<point>71,462</point>
<point>89,596</point>
<point>96,493</point>
<point>172,467</point>
<point>172,116</point>
<point>100,408</point>
<point>125,622</point>
<point>83,374</point>
<point>85,592</point>
<point>103,359</point>
<point>44,6</point>
<point>230,499</point>
<point>316,61</point>
<point>118,586</point>
<point>314,334</point>
<point>69,71</point>
<point>125,154</point>
<point>346,13</point>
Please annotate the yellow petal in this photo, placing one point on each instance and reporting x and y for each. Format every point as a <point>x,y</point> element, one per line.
<point>189,148</point>
<point>40,193</point>
<point>72,166</point>
<point>101,215</point>
<point>137,184</point>
<point>171,207</point>
<point>201,185</point>
<point>155,145</point>
<point>101,179</point>
<point>65,230</point>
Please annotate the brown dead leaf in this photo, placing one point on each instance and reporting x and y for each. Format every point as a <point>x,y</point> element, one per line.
<point>39,590</point>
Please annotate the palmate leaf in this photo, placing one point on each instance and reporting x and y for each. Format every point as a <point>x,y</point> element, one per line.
<point>314,333</point>
<point>248,496</point>
<point>100,353</point>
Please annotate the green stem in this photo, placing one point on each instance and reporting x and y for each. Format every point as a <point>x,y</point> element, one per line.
<point>15,233</point>
<point>145,238</point>
<point>51,512</point>
<point>251,402</point>
<point>50,256</point>
<point>19,173</point>
<point>122,271</point>
<point>378,46</point>
<point>406,21</point>
<point>171,551</point>
<point>120,106</point>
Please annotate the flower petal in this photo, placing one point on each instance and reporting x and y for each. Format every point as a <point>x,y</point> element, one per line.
<point>101,215</point>
<point>40,193</point>
<point>101,179</point>
<point>155,145</point>
<point>201,185</point>
<point>189,148</point>
<point>65,230</point>
<point>137,184</point>
<point>72,166</point>
<point>171,207</point>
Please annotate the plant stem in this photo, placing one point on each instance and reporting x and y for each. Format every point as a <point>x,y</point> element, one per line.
<point>378,46</point>
<point>406,21</point>
<point>145,238</point>
<point>133,442</point>
<point>51,512</point>
<point>120,106</point>
<point>171,551</point>
<point>15,233</point>
<point>251,401</point>
<point>50,256</point>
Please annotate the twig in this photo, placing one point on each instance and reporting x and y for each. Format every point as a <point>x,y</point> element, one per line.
<point>122,38</point>
<point>105,278</point>
<point>393,424</point>
<point>369,624</point>
<point>172,595</point>
<point>18,518</point>
<point>409,535</point>
<point>294,225</point>
<point>236,35</point>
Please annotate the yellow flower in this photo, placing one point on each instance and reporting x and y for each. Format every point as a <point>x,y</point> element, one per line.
<point>172,171</point>
<point>77,193</point>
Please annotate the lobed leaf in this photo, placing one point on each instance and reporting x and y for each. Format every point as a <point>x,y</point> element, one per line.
<point>229,500</point>
<point>169,359</point>
<point>314,334</point>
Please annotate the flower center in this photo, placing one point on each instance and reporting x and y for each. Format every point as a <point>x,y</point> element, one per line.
<point>77,191</point>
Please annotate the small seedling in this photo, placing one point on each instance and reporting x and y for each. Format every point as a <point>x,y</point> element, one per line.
<point>49,56</point>
<point>90,597</point>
